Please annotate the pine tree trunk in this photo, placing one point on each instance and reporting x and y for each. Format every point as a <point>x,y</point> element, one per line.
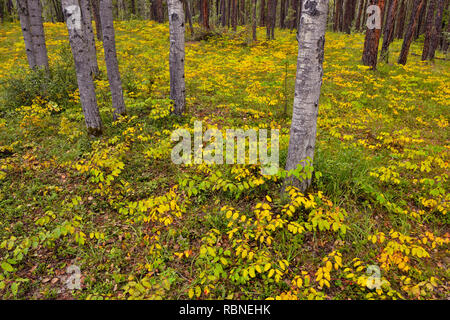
<point>308,83</point>
<point>429,21</point>
<point>205,13</point>
<point>388,35</point>
<point>2,12</point>
<point>421,21</point>
<point>358,18</point>
<point>437,30</point>
<point>176,55</point>
<point>242,11</point>
<point>282,13</point>
<point>112,66</point>
<point>269,18</point>
<point>372,40</point>
<point>22,9</point>
<point>400,25</point>
<point>234,15</point>
<point>446,41</point>
<point>349,15</point>
<point>77,39</point>
<point>262,14</point>
<point>416,9</point>
<point>37,33</point>
<point>96,13</point>
<point>274,19</point>
<point>223,17</point>
<point>90,38</point>
<point>338,15</point>
<point>189,16</point>
<point>254,21</point>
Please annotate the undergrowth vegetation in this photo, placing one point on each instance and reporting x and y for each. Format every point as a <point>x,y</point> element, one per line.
<point>139,226</point>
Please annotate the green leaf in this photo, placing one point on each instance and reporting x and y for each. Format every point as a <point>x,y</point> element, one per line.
<point>7,267</point>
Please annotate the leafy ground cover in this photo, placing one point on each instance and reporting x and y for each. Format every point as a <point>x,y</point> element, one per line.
<point>139,226</point>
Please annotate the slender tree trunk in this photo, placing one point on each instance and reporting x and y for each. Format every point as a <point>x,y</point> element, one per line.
<point>349,15</point>
<point>274,19</point>
<point>58,10</point>
<point>282,13</point>
<point>416,9</point>
<point>400,25</point>
<point>158,10</point>
<point>372,40</point>
<point>294,8</point>
<point>234,15</point>
<point>269,18</point>
<point>311,41</point>
<point>338,15</point>
<point>242,11</point>
<point>112,66</point>
<point>358,18</point>
<point>223,17</point>
<point>437,30</point>
<point>421,21</point>
<point>446,41</point>
<point>2,12</point>
<point>77,39</point>
<point>37,33</point>
<point>188,14</point>
<point>90,39</point>
<point>229,13</point>
<point>205,13</point>
<point>254,20</point>
<point>388,35</point>
<point>430,25</point>
<point>262,14</point>
<point>96,13</point>
<point>22,9</point>
<point>176,55</point>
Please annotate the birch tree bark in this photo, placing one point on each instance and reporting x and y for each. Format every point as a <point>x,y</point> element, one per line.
<point>90,38</point>
<point>37,33</point>
<point>416,9</point>
<point>22,9</point>
<point>308,83</point>
<point>112,66</point>
<point>77,39</point>
<point>176,55</point>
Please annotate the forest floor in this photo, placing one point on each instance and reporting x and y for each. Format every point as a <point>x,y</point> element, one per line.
<point>138,226</point>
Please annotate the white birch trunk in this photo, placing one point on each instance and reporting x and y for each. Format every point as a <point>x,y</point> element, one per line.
<point>112,66</point>
<point>22,9</point>
<point>177,56</point>
<point>311,39</point>
<point>37,33</point>
<point>77,38</point>
<point>90,38</point>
